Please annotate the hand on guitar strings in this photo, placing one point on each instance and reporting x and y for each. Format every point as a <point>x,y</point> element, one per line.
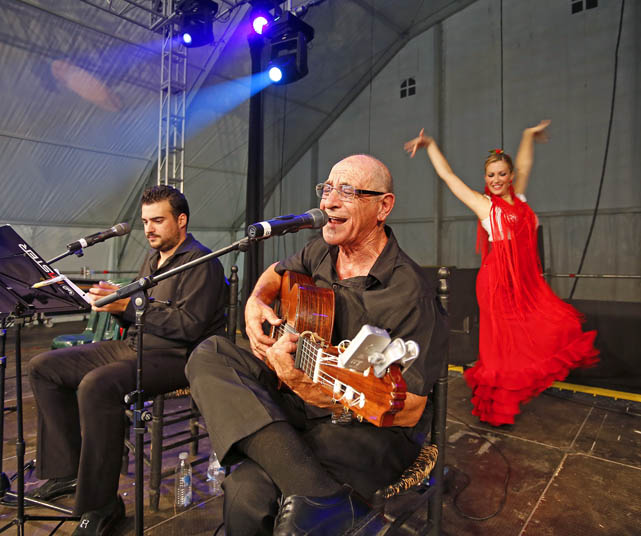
<point>280,358</point>
<point>256,313</point>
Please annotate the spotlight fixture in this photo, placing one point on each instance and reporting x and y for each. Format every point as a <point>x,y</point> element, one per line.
<point>259,21</point>
<point>196,22</point>
<point>263,13</point>
<point>288,36</point>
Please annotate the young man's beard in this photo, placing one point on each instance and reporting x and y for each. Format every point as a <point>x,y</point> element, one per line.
<point>168,243</point>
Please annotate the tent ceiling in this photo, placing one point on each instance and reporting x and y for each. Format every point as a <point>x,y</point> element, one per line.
<point>79,117</point>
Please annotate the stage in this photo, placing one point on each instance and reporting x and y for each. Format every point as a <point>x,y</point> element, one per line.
<point>575,466</point>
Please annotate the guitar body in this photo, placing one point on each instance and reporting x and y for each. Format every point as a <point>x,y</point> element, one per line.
<point>306,307</point>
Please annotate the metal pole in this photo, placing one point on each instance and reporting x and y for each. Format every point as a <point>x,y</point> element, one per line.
<point>439,106</point>
<point>255,185</point>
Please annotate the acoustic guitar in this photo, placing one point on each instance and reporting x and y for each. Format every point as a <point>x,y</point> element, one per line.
<point>308,311</point>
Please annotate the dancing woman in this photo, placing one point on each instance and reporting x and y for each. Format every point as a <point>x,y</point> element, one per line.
<point>528,336</point>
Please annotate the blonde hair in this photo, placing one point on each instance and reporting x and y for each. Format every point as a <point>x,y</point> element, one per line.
<point>497,155</point>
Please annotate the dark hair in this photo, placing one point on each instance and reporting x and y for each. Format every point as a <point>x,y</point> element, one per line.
<point>176,199</point>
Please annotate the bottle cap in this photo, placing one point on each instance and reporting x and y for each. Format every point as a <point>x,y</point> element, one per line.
<point>183,455</point>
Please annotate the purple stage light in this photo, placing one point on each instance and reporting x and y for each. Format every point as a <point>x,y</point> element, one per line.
<point>259,23</point>
<point>187,38</point>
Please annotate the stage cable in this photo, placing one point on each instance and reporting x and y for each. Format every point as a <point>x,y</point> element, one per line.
<point>506,481</point>
<point>607,148</point>
<point>501,60</point>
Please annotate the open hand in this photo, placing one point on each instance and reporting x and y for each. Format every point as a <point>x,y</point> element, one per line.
<point>420,141</point>
<point>538,132</point>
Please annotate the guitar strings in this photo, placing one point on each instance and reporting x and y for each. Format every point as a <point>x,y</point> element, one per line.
<point>308,364</point>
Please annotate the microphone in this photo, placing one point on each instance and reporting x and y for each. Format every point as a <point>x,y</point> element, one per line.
<point>292,223</point>
<point>117,230</point>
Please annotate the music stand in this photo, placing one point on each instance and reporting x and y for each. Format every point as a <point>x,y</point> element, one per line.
<point>20,268</point>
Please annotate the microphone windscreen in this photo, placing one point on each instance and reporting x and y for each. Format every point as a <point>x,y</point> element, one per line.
<point>122,228</point>
<point>319,217</point>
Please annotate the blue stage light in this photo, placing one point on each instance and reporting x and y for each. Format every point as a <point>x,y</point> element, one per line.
<point>259,23</point>
<point>288,37</point>
<point>275,74</point>
<point>196,21</point>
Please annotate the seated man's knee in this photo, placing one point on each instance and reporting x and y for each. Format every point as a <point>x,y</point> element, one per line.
<point>205,351</point>
<point>97,386</point>
<point>42,365</point>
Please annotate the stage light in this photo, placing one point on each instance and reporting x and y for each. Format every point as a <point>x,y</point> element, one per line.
<point>288,37</point>
<point>259,22</point>
<point>275,74</point>
<point>196,21</point>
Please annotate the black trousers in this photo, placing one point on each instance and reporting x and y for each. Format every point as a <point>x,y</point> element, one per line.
<point>79,393</point>
<point>238,395</point>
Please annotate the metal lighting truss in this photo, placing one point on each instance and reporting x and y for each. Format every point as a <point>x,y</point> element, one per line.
<point>173,90</point>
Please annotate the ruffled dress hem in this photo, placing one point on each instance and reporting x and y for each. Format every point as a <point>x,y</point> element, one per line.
<point>498,394</point>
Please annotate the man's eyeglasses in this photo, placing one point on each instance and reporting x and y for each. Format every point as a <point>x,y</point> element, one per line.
<point>344,191</point>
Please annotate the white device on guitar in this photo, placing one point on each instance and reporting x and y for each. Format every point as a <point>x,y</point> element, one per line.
<point>373,347</point>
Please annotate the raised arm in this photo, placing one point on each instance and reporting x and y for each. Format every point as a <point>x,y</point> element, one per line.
<point>474,200</point>
<point>525,154</point>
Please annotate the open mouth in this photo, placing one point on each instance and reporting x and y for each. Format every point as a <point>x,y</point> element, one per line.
<point>334,220</point>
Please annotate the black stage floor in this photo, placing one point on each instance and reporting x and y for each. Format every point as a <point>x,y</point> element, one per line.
<point>574,467</point>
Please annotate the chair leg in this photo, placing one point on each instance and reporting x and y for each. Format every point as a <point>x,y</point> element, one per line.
<point>193,429</point>
<point>156,452</point>
<point>435,502</point>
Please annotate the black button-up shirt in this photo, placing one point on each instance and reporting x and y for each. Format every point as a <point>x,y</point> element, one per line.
<point>395,296</point>
<point>187,307</point>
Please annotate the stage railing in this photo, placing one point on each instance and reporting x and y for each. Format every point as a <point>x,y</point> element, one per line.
<point>593,276</point>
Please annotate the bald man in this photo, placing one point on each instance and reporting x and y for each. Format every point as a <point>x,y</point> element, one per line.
<point>322,473</point>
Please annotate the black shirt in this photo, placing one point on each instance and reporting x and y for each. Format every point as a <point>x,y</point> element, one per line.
<point>187,307</point>
<point>395,296</point>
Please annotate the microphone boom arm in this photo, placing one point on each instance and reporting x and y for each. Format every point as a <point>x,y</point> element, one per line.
<point>152,280</point>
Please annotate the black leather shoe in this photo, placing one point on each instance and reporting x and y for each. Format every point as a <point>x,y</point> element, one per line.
<point>53,488</point>
<point>319,516</point>
<point>101,522</point>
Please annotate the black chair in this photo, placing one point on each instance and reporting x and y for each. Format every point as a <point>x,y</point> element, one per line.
<point>159,439</point>
<point>420,486</point>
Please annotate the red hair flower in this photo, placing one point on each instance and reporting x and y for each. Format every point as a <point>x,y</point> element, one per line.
<point>496,151</point>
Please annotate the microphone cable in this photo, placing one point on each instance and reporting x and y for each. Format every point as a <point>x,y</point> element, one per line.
<point>607,148</point>
<point>506,481</point>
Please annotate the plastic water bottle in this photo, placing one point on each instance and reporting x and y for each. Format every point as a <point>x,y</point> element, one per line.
<point>215,475</point>
<point>183,482</point>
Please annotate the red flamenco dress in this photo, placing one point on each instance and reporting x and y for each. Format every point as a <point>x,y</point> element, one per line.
<point>528,337</point>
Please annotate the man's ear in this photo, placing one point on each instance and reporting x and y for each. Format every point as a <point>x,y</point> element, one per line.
<point>385,207</point>
<point>182,220</point>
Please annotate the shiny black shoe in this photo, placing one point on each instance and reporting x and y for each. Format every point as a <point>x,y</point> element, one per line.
<point>54,488</point>
<point>101,522</point>
<point>319,516</point>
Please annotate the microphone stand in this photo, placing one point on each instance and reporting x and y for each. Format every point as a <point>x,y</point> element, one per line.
<point>78,252</point>
<point>138,293</point>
